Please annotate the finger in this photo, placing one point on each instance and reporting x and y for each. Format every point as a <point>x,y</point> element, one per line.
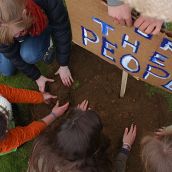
<point>82,104</point>
<point>85,105</point>
<point>50,80</point>
<point>78,106</point>
<point>157,30</point>
<point>65,106</point>
<point>71,78</point>
<point>57,73</point>
<point>144,26</point>
<point>64,82</point>
<point>57,103</point>
<point>116,21</point>
<point>160,130</point>
<point>53,97</point>
<point>47,102</point>
<point>128,22</point>
<point>125,132</point>
<point>131,129</point>
<point>134,131</point>
<point>150,29</point>
<point>122,22</point>
<point>138,22</point>
<point>42,88</point>
<point>68,82</point>
<point>159,133</point>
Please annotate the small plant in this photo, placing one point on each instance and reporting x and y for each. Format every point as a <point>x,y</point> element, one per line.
<point>76,85</point>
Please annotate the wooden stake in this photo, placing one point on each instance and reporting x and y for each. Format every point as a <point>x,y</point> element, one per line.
<point>123,83</point>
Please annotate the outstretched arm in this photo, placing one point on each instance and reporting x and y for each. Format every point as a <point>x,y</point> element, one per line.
<point>128,140</point>
<point>20,135</point>
<point>18,95</point>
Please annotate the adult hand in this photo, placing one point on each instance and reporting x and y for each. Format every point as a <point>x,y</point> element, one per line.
<point>164,131</point>
<point>60,110</point>
<point>83,106</point>
<point>48,97</point>
<point>65,75</point>
<point>41,81</point>
<point>129,136</point>
<point>148,25</point>
<point>121,14</point>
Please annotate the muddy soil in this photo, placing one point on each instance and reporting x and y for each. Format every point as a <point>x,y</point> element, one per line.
<point>99,82</point>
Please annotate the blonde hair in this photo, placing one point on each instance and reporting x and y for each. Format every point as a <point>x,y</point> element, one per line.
<point>156,154</point>
<point>12,14</point>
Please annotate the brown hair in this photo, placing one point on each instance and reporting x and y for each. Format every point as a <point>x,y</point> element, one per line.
<point>76,146</point>
<point>12,14</point>
<point>157,154</point>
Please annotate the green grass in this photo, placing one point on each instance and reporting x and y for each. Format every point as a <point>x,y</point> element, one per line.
<point>21,81</point>
<point>154,90</point>
<point>169,26</point>
<point>18,161</point>
<point>76,85</point>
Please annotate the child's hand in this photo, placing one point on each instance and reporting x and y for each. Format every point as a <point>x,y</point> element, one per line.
<point>48,97</point>
<point>129,136</point>
<point>164,131</point>
<point>83,106</point>
<point>148,25</point>
<point>41,81</point>
<point>121,14</point>
<point>60,110</point>
<point>65,75</point>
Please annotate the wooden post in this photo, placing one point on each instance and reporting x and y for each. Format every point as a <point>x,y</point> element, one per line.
<point>123,83</point>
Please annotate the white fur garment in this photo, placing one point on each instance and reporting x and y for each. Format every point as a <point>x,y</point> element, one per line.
<point>161,9</point>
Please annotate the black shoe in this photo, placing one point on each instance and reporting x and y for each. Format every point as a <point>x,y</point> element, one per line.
<point>49,55</point>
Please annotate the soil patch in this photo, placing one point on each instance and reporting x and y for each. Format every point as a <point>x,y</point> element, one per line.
<point>99,82</point>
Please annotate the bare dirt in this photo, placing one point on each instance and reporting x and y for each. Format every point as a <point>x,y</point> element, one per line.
<point>99,82</point>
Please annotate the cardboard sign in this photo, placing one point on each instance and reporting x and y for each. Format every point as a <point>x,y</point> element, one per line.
<point>141,55</point>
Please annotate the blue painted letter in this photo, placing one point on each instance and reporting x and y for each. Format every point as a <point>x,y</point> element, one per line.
<point>125,42</point>
<point>166,44</point>
<point>105,48</point>
<point>85,39</point>
<point>126,59</point>
<point>104,26</point>
<point>147,36</point>
<point>158,58</point>
<point>168,86</point>
<point>149,69</point>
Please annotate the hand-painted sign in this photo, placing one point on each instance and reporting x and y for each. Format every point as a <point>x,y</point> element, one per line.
<point>141,55</point>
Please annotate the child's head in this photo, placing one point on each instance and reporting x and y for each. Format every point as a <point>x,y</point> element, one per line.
<point>5,115</point>
<point>157,154</point>
<point>78,144</point>
<point>13,19</point>
<point>79,136</point>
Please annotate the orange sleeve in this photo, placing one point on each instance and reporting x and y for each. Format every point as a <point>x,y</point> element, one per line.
<point>18,95</point>
<point>19,135</point>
